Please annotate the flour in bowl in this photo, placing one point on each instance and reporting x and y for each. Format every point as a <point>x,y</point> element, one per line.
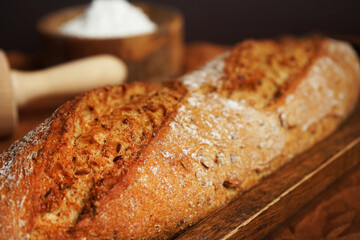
<point>110,18</point>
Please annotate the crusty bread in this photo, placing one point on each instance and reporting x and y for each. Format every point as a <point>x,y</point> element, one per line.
<point>144,161</point>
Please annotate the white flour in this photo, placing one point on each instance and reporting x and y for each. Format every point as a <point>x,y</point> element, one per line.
<point>109,18</point>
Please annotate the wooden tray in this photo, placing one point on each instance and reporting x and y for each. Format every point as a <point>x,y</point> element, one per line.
<point>253,214</point>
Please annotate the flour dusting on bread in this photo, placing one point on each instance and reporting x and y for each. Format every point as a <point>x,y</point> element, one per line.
<point>210,73</point>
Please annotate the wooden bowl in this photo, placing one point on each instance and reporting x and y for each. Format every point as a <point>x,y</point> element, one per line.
<point>149,57</point>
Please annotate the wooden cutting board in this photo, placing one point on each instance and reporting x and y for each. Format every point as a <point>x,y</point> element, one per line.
<point>253,214</point>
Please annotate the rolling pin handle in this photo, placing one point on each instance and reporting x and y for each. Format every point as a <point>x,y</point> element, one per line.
<point>67,79</point>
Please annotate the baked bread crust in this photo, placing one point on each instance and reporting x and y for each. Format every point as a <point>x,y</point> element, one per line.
<point>144,161</point>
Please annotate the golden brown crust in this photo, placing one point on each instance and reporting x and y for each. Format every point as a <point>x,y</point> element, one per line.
<point>263,71</point>
<point>145,161</point>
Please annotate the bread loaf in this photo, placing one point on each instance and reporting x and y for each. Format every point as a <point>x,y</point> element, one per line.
<point>144,161</point>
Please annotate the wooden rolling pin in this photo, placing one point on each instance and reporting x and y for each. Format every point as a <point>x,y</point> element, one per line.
<point>53,86</point>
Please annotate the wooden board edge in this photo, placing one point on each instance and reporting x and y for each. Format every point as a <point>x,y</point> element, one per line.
<point>293,199</point>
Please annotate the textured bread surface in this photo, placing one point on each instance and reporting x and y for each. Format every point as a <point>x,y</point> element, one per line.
<point>144,161</point>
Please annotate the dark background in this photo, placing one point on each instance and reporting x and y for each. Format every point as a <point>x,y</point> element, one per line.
<point>225,21</point>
